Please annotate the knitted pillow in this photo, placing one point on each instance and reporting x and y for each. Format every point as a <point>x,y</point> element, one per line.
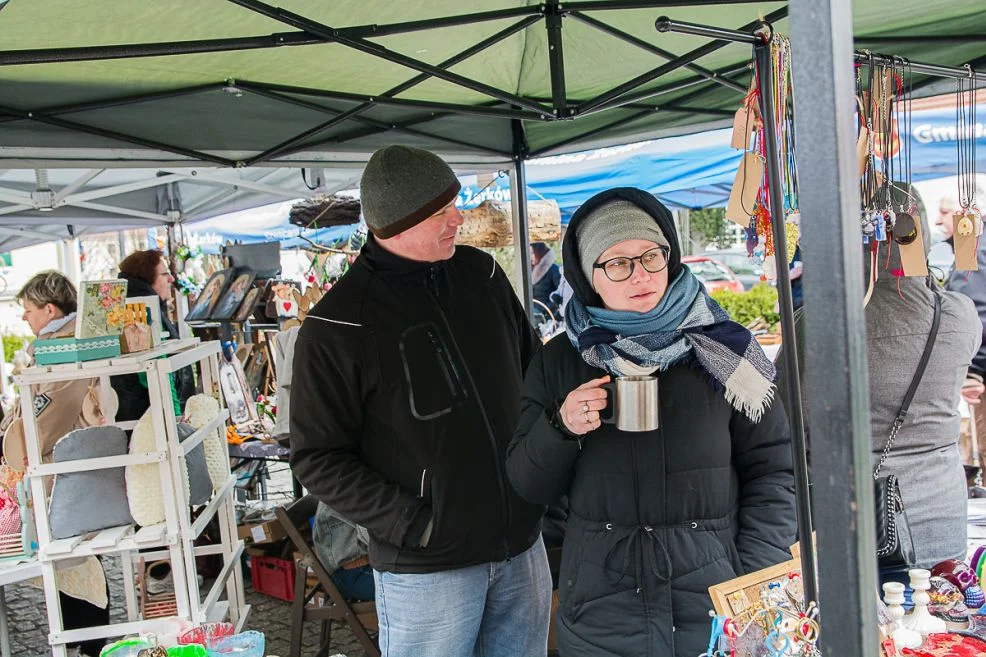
<point>145,493</point>
<point>105,489</point>
<point>199,411</point>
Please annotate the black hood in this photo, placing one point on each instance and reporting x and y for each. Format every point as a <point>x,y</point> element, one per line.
<point>581,288</point>
<point>137,287</point>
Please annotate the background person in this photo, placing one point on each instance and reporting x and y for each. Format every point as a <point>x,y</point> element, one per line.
<point>147,274</point>
<point>50,302</point>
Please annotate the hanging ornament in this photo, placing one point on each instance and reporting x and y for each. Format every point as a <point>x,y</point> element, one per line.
<point>792,233</point>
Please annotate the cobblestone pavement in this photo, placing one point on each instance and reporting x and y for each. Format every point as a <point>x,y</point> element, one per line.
<point>29,622</point>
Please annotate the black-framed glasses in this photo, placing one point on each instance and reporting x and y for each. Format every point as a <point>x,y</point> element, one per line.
<point>621,268</point>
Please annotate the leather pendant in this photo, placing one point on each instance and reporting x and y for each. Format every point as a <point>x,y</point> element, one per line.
<point>965,225</point>
<point>905,230</point>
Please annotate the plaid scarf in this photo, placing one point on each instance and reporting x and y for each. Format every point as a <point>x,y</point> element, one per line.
<point>727,351</point>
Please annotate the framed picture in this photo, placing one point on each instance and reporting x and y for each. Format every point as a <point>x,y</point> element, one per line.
<point>249,303</point>
<point>209,297</point>
<point>153,304</point>
<point>101,308</point>
<point>740,598</point>
<point>233,296</point>
<point>239,401</point>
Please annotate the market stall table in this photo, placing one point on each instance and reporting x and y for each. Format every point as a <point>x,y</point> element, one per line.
<point>258,450</point>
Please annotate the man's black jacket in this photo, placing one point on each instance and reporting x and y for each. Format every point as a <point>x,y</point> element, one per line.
<point>406,392</point>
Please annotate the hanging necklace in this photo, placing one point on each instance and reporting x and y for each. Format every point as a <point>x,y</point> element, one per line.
<point>965,146</point>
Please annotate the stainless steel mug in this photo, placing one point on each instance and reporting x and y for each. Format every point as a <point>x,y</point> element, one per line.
<point>634,403</point>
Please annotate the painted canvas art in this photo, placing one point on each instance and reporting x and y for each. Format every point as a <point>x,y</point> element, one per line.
<point>209,297</point>
<point>101,305</point>
<point>233,296</point>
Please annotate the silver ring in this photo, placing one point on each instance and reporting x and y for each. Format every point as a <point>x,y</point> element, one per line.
<point>585,407</point>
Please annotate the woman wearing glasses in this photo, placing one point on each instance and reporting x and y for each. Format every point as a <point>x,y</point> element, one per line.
<point>655,517</point>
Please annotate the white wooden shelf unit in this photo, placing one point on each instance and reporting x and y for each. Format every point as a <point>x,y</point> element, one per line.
<point>174,538</point>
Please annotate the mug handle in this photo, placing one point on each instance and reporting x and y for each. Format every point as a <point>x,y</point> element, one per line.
<point>610,389</point>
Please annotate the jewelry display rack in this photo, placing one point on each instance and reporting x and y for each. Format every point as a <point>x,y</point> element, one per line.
<point>172,539</point>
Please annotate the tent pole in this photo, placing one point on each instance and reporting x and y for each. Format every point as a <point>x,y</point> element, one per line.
<point>556,58</point>
<point>518,208</point>
<point>792,377</point>
<point>835,365</point>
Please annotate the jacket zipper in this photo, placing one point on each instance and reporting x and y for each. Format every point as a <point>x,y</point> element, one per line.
<point>500,475</point>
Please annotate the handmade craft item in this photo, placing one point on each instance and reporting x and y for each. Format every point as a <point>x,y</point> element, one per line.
<point>920,620</point>
<point>893,596</point>
<point>209,297</point>
<point>230,302</point>
<point>136,330</point>
<point>101,308</point>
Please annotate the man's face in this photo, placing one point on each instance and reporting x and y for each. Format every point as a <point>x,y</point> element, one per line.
<point>431,240</point>
<point>944,220</point>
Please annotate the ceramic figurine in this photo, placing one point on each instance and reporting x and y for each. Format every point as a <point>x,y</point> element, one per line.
<point>957,573</point>
<point>920,620</point>
<point>947,602</point>
<point>893,597</point>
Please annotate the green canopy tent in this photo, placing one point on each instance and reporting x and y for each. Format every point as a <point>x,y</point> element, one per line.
<point>243,83</point>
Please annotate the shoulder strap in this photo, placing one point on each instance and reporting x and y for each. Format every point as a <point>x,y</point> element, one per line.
<point>922,366</point>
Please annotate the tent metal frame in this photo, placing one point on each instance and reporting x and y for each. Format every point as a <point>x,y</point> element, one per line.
<point>838,382</point>
<point>633,95</point>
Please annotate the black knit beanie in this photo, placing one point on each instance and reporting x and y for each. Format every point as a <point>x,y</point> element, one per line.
<point>403,186</point>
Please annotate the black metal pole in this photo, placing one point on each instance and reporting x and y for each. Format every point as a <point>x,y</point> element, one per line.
<point>923,69</point>
<point>518,201</point>
<point>792,375</point>
<point>665,24</point>
<point>835,364</point>
<point>556,59</point>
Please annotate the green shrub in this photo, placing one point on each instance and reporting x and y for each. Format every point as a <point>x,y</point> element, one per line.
<point>12,344</point>
<point>760,302</point>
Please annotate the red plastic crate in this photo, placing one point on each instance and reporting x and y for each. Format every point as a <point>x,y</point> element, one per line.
<point>273,576</point>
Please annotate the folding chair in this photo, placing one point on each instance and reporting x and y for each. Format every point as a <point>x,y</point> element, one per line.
<point>360,616</point>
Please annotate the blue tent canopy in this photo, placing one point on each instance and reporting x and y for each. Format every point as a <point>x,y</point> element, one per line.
<point>693,171</point>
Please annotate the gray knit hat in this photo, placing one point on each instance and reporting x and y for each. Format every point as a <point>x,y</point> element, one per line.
<point>403,186</point>
<point>612,223</point>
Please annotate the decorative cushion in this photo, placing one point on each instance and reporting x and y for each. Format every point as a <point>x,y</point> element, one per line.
<point>200,484</point>
<point>145,493</point>
<point>199,411</point>
<point>70,518</point>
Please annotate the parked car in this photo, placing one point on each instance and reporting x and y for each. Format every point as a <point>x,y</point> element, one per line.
<point>746,270</point>
<point>714,274</point>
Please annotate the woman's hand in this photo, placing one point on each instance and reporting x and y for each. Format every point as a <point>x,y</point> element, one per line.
<point>580,410</point>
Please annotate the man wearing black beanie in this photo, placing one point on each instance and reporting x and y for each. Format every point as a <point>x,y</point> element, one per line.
<point>406,392</point>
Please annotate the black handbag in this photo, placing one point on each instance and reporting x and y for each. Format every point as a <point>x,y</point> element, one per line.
<point>895,548</point>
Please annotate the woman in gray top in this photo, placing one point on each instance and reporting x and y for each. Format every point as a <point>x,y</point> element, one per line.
<point>925,456</point>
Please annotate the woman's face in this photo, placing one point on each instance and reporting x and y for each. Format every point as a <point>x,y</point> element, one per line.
<point>639,293</point>
<point>163,281</point>
<point>38,317</point>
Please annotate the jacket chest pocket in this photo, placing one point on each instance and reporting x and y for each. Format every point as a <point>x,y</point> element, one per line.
<point>434,380</point>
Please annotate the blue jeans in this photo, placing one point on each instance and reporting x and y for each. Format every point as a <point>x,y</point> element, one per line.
<point>497,609</point>
<point>355,583</point>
